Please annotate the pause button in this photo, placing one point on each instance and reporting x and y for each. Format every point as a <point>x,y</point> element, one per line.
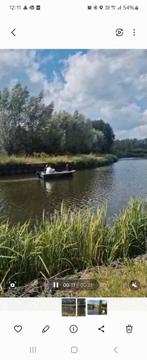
<point>33,349</point>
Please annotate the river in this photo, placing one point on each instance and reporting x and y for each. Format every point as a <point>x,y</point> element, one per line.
<point>25,198</point>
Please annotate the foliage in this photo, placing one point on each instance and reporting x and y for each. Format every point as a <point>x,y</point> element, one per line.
<point>130,147</point>
<point>23,120</point>
<point>71,241</point>
<point>27,125</point>
<point>107,131</point>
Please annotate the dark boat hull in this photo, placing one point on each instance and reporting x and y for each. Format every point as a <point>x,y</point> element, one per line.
<point>56,175</point>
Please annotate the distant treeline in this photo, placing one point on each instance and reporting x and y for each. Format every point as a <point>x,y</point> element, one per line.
<point>27,125</point>
<point>130,147</point>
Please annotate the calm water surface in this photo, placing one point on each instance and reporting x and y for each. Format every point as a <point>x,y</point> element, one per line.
<point>25,198</point>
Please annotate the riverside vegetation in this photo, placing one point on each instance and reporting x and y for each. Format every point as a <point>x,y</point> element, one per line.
<point>32,132</point>
<point>74,241</point>
<point>28,125</point>
<point>80,161</point>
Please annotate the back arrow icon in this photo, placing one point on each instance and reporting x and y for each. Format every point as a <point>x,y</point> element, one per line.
<point>13,32</point>
<point>116,350</point>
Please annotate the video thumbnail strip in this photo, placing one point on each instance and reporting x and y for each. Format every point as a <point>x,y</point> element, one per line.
<point>83,307</point>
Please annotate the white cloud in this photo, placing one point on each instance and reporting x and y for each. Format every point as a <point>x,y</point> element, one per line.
<point>21,63</point>
<point>107,84</point>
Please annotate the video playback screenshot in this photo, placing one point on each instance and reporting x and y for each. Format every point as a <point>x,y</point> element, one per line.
<point>73,173</point>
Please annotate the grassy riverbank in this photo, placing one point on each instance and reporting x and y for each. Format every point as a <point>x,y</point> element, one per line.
<point>71,242</point>
<point>114,282</point>
<point>79,161</point>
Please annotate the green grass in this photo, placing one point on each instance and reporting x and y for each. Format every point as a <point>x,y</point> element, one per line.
<point>90,160</point>
<point>70,242</point>
<point>114,282</point>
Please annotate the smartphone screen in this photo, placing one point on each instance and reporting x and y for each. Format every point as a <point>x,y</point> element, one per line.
<point>73,176</point>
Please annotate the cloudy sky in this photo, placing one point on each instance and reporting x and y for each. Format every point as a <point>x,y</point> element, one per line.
<point>107,84</point>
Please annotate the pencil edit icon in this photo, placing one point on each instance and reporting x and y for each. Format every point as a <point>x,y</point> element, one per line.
<point>45,329</point>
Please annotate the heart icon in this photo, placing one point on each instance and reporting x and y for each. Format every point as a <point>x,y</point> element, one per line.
<point>18,328</point>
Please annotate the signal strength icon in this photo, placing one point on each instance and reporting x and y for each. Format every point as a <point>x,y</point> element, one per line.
<point>25,8</point>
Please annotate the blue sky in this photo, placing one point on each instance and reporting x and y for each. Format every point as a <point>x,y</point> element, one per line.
<point>55,59</point>
<point>96,301</point>
<point>93,302</point>
<point>107,84</point>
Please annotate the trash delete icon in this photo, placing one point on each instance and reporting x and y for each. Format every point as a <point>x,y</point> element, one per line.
<point>129,329</point>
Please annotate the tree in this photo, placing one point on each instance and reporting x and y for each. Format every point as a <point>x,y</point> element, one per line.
<point>130,147</point>
<point>70,133</point>
<point>79,134</point>
<point>28,125</point>
<point>23,120</point>
<point>98,143</point>
<point>36,123</point>
<point>106,129</point>
<point>55,135</point>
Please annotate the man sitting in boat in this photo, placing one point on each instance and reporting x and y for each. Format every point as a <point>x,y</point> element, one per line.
<point>49,169</point>
<point>67,167</point>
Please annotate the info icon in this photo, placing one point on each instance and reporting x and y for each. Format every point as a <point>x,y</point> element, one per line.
<point>73,329</point>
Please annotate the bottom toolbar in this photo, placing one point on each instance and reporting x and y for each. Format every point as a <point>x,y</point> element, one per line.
<point>46,332</point>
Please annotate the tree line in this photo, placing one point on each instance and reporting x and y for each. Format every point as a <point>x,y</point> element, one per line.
<point>27,125</point>
<point>130,147</point>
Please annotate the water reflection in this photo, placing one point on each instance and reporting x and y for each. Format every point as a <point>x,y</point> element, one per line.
<point>22,199</point>
<point>48,186</point>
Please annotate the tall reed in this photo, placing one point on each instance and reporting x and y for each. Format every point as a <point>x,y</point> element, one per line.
<point>70,241</point>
